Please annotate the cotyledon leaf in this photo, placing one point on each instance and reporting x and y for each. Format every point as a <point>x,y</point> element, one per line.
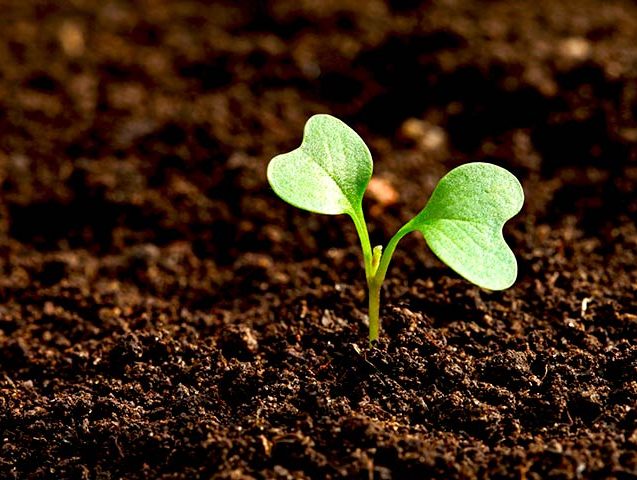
<point>328,173</point>
<point>462,223</point>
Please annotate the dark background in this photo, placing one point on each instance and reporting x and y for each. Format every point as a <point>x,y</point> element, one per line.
<point>164,315</point>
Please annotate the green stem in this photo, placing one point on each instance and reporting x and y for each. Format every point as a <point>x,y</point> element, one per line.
<point>374,311</point>
<point>366,247</point>
<point>389,251</point>
<point>375,283</point>
<point>376,265</point>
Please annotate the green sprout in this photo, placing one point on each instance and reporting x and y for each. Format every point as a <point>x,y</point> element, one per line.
<point>462,222</point>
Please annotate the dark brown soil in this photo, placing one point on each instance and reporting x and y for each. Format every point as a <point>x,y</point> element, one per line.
<point>164,316</point>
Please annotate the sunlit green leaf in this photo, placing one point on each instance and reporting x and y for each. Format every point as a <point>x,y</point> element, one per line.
<point>328,173</point>
<point>462,223</point>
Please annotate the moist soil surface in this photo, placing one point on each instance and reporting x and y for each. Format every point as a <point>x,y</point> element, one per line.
<point>164,316</point>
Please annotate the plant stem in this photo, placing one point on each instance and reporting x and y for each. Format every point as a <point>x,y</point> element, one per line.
<point>374,311</point>
<point>376,265</point>
<point>366,247</point>
<point>375,283</point>
<point>380,273</point>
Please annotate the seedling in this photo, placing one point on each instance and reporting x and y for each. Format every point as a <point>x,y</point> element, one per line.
<point>462,222</point>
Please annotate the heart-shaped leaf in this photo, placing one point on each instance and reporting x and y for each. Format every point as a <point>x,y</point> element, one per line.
<point>328,173</point>
<point>462,223</point>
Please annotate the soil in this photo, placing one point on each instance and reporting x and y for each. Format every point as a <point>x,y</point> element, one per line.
<point>164,316</point>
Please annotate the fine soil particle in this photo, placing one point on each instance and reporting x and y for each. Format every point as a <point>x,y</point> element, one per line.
<point>164,316</point>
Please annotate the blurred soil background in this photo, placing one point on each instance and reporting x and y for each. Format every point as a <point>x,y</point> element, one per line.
<point>164,316</point>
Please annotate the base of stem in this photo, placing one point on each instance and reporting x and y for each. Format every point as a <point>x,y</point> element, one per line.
<point>374,311</point>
